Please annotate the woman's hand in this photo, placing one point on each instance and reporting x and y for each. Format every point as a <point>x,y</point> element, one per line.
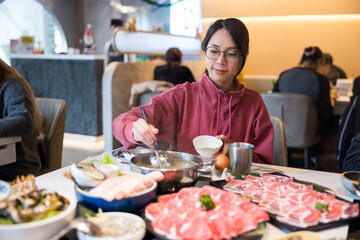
<point>145,133</point>
<point>225,148</point>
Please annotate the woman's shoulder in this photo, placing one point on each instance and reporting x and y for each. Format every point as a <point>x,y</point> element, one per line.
<point>13,85</point>
<point>251,93</point>
<point>181,89</point>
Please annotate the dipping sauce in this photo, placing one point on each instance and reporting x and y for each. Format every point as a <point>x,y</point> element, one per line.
<point>177,163</point>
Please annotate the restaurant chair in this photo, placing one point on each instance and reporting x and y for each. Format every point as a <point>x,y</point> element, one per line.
<point>280,149</point>
<point>50,148</point>
<point>299,115</point>
<point>145,97</point>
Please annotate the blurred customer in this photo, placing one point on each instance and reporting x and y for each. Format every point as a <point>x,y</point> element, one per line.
<point>352,158</point>
<point>304,79</point>
<point>19,116</point>
<point>173,72</point>
<point>331,71</point>
<point>349,124</point>
<point>109,51</point>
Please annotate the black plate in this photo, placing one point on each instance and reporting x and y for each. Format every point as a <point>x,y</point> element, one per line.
<point>254,235</point>
<point>289,228</point>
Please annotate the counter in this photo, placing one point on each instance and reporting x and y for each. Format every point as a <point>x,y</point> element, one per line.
<point>8,149</point>
<point>75,78</point>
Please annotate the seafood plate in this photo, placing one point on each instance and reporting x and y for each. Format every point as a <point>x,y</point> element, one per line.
<point>30,213</point>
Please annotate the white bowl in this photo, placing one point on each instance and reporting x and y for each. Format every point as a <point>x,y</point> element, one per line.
<point>86,175</point>
<point>350,179</point>
<point>136,235</point>
<point>206,145</point>
<point>43,229</point>
<point>5,190</point>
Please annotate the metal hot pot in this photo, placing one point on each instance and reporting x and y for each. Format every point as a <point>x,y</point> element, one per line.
<point>176,177</point>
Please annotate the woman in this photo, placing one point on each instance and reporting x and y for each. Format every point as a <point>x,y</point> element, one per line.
<point>172,71</point>
<point>19,116</point>
<point>304,79</point>
<point>218,105</point>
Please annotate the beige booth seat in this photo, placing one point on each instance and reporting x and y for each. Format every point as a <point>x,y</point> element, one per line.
<point>117,80</point>
<point>260,83</point>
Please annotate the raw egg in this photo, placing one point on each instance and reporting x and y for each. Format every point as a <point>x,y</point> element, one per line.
<point>222,162</point>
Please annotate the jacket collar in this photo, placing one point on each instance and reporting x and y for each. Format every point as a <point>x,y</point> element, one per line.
<point>211,93</point>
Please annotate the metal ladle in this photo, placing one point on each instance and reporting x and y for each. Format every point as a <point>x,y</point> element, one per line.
<point>155,148</point>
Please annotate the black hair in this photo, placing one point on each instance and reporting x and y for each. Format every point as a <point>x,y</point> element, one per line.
<point>327,59</point>
<point>173,55</point>
<point>237,31</point>
<point>116,22</point>
<point>311,54</point>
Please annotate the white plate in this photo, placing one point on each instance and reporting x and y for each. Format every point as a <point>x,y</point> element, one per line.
<point>137,235</point>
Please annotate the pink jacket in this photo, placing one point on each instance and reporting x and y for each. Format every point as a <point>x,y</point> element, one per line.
<point>192,109</point>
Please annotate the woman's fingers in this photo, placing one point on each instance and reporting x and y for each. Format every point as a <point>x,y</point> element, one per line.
<point>145,133</point>
<point>225,147</point>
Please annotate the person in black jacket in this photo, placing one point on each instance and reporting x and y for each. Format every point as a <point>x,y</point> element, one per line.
<point>352,158</point>
<point>109,50</point>
<point>349,124</point>
<point>304,79</point>
<point>19,116</point>
<point>173,72</point>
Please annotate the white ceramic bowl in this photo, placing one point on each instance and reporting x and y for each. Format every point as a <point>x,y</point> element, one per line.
<point>349,179</point>
<point>86,175</point>
<point>43,229</point>
<point>206,145</point>
<point>136,235</point>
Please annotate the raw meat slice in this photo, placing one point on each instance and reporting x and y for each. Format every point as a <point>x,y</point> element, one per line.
<point>182,216</point>
<point>302,217</point>
<point>167,197</point>
<point>280,195</point>
<point>122,187</point>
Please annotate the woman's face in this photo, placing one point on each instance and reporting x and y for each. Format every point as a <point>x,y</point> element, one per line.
<point>220,71</point>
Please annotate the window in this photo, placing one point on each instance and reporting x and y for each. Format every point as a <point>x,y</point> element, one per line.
<point>16,20</point>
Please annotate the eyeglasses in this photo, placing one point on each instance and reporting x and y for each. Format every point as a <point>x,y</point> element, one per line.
<point>230,55</point>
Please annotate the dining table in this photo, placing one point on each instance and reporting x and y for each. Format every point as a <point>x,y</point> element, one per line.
<point>57,180</point>
<point>341,103</point>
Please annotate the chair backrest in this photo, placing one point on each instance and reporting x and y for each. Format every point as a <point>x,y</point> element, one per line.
<point>54,111</point>
<point>144,98</point>
<point>280,149</point>
<point>299,115</point>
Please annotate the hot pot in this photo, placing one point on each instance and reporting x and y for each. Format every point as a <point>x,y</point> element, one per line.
<point>176,177</point>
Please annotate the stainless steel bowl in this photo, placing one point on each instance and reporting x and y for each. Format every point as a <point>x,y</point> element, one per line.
<point>175,178</point>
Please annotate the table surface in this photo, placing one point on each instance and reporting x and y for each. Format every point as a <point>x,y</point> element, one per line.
<point>341,104</point>
<point>57,181</point>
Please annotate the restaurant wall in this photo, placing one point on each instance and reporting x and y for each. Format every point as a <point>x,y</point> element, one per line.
<point>278,35</point>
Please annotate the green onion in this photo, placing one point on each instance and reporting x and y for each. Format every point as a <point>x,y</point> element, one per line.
<point>106,160</point>
<point>6,221</point>
<point>323,207</point>
<point>207,202</point>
